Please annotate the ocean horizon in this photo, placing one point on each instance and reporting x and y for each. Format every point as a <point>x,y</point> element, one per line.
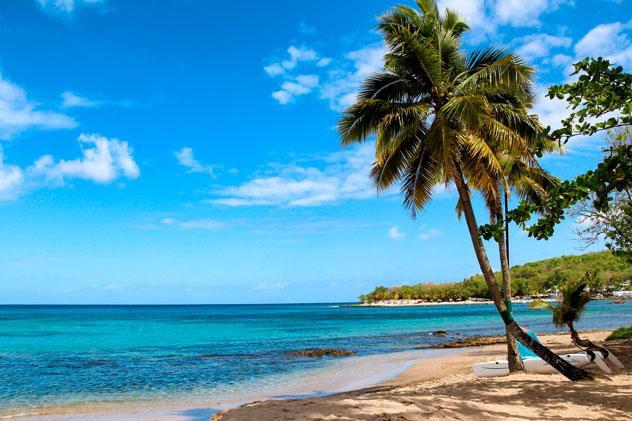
<point>56,356</point>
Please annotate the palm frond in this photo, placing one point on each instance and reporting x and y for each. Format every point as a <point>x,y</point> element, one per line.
<point>454,23</point>
<point>419,179</point>
<point>468,108</point>
<point>507,72</point>
<point>483,57</point>
<point>389,87</point>
<point>414,52</point>
<point>392,162</point>
<point>365,117</point>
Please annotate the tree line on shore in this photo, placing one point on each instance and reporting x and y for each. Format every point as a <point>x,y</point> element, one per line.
<point>600,271</point>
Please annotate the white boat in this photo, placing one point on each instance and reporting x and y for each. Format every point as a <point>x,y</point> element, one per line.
<point>538,365</point>
<point>491,369</point>
<point>531,365</point>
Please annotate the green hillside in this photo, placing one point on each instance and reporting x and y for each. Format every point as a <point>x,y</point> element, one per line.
<point>600,270</point>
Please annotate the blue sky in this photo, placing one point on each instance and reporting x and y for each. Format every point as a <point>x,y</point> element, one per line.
<point>185,151</point>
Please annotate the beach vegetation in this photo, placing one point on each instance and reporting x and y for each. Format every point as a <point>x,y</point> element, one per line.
<point>624,332</point>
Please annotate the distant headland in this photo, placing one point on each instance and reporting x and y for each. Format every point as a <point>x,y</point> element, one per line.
<point>606,275</point>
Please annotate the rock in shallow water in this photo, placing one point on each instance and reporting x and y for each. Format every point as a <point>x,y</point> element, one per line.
<point>320,352</point>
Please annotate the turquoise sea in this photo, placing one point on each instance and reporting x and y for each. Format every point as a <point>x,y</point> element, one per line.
<point>66,355</point>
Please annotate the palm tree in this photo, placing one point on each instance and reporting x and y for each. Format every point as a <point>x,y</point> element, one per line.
<point>435,113</point>
<point>530,182</point>
<point>523,175</point>
<point>568,311</point>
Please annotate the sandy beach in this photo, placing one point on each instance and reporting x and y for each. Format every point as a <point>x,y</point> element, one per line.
<point>419,303</point>
<point>445,388</point>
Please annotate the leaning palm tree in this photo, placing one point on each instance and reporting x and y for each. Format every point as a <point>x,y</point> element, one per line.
<point>435,112</point>
<point>530,182</point>
<point>523,175</point>
<point>520,173</point>
<point>568,311</point>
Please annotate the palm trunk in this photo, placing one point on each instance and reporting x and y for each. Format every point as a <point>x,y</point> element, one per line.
<point>584,343</point>
<point>568,370</point>
<point>507,225</point>
<point>513,357</point>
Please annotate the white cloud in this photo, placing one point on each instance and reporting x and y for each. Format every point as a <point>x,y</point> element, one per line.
<point>297,55</point>
<point>186,159</point>
<point>474,12</point>
<point>428,234</point>
<point>367,60</point>
<point>295,85</point>
<point>550,111</point>
<point>72,100</point>
<point>610,40</point>
<point>310,81</point>
<point>478,14</point>
<point>395,234</point>
<point>301,85</point>
<point>282,97</point>
<point>66,6</point>
<point>520,12</point>
<point>561,60</point>
<point>11,179</point>
<point>274,69</point>
<point>484,16</point>
<point>536,46</point>
<point>18,113</point>
<point>341,83</point>
<point>341,88</point>
<point>194,224</point>
<point>323,62</point>
<point>103,161</point>
<point>276,286</point>
<point>335,177</point>
<point>306,29</point>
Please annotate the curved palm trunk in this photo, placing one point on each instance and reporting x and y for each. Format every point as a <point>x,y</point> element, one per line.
<point>513,357</point>
<point>584,343</point>
<point>591,347</point>
<point>568,370</point>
